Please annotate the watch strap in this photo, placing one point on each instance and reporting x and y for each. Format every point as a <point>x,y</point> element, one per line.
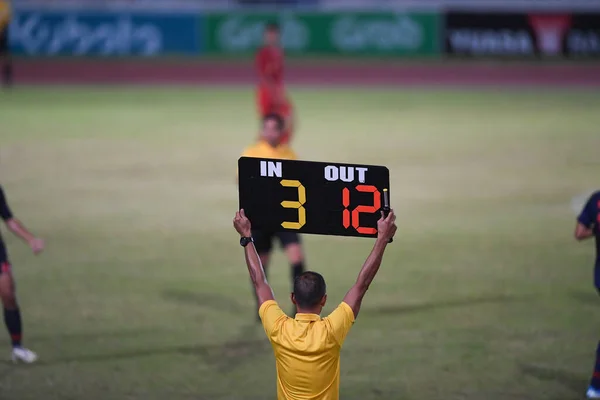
<point>246,240</point>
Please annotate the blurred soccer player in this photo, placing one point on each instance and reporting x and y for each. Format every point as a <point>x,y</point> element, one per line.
<point>271,96</point>
<point>12,315</point>
<point>307,347</point>
<point>588,225</point>
<point>5,59</point>
<point>269,146</point>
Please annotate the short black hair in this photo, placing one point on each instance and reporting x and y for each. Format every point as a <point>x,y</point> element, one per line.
<point>275,117</point>
<point>309,289</point>
<point>272,27</point>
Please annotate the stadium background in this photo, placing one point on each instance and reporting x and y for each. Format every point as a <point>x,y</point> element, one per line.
<point>119,143</point>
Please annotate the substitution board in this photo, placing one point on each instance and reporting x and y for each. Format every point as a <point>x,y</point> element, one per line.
<point>313,197</point>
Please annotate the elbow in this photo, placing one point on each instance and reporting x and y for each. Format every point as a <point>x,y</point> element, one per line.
<point>260,286</point>
<point>12,224</point>
<point>362,286</point>
<point>363,282</point>
<point>258,280</point>
<point>582,234</point>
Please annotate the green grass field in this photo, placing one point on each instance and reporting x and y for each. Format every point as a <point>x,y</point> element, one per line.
<point>143,292</point>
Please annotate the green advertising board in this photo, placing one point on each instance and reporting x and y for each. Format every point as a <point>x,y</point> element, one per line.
<point>350,33</point>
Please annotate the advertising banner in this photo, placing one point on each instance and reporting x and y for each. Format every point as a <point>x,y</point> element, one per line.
<point>351,33</point>
<point>583,36</point>
<point>522,34</point>
<point>73,33</point>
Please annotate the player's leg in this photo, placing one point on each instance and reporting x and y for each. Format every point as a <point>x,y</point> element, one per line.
<point>593,391</point>
<point>5,59</point>
<point>264,102</point>
<point>291,243</point>
<point>263,241</point>
<point>12,315</point>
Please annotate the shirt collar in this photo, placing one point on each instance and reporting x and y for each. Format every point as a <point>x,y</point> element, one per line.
<point>307,317</point>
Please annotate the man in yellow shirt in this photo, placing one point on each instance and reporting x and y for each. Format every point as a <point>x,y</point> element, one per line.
<point>5,16</point>
<point>307,347</point>
<point>269,146</point>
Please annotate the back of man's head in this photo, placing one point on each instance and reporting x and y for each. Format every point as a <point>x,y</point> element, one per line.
<point>309,290</point>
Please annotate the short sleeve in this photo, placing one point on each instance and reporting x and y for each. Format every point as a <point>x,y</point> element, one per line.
<point>340,321</point>
<point>589,214</point>
<point>5,212</point>
<point>270,314</point>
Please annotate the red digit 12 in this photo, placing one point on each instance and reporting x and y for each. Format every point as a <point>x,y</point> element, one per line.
<point>355,216</point>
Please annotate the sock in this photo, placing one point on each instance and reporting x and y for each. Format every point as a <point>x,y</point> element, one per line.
<point>595,383</point>
<point>12,319</point>
<point>297,270</point>
<point>7,73</point>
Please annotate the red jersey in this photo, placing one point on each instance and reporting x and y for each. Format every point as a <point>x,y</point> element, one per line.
<point>269,62</point>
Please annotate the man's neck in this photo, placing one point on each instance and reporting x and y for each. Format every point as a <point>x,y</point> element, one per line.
<point>270,144</point>
<point>307,311</point>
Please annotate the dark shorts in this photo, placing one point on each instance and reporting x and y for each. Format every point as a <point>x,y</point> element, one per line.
<point>4,263</point>
<point>4,48</point>
<point>263,241</point>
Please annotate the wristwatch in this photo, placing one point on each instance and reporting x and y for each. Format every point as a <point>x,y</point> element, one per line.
<point>244,241</point>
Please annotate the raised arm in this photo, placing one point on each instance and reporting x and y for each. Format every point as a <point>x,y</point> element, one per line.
<point>16,227</point>
<point>257,273</point>
<point>386,227</point>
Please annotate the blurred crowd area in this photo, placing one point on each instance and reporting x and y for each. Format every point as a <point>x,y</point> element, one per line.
<point>210,2</point>
<point>278,2</point>
<point>223,3</point>
<point>362,4</point>
<point>333,2</point>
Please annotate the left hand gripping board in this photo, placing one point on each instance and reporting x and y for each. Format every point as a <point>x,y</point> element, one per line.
<point>313,197</point>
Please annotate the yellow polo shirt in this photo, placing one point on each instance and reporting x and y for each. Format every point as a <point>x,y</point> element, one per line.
<point>262,149</point>
<point>5,14</point>
<point>307,351</point>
